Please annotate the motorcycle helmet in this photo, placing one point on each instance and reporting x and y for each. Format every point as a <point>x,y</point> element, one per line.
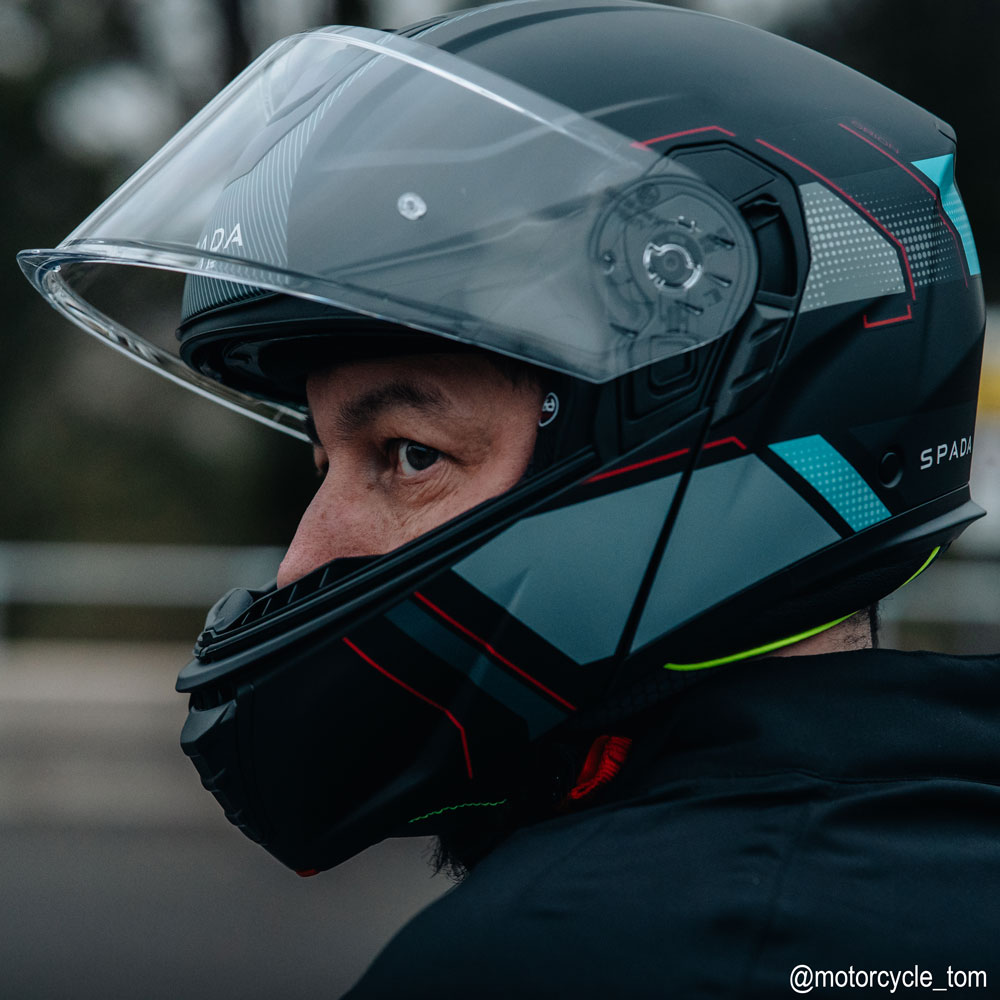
<point>746,278</point>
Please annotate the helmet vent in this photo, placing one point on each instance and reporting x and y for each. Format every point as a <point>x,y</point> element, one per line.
<point>271,604</point>
<point>257,610</point>
<point>212,697</point>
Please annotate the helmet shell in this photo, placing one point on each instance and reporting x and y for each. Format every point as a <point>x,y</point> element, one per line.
<point>699,504</point>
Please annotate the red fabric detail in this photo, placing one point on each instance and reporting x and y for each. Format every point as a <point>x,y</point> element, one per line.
<point>604,761</point>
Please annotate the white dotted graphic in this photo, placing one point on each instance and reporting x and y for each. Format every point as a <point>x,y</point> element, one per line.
<point>849,258</point>
<point>834,478</point>
<point>916,222</point>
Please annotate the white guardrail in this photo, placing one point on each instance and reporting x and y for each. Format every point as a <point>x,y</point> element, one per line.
<point>172,576</point>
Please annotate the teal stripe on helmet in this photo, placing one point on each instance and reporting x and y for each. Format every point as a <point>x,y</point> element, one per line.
<point>941,170</point>
<point>834,478</point>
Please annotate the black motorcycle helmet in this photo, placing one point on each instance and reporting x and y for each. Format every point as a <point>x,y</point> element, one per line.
<point>746,276</point>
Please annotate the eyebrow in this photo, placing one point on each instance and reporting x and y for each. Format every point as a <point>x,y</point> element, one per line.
<point>361,411</point>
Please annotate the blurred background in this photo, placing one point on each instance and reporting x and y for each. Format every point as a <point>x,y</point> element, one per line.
<point>130,505</point>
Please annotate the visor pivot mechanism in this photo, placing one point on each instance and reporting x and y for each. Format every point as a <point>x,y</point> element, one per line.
<point>670,265</point>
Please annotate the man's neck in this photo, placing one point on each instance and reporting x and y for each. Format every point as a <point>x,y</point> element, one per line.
<point>854,633</point>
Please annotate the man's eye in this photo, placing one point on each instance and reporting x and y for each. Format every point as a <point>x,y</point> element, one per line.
<point>414,458</point>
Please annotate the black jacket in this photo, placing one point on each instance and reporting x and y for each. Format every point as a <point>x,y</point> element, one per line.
<point>834,811</point>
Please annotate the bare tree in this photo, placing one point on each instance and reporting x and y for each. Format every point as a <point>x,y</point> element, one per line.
<point>237,53</point>
<point>350,12</point>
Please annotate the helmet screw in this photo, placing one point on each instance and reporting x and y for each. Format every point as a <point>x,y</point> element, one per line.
<point>411,206</point>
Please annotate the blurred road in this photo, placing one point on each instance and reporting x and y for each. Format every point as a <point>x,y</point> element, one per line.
<point>120,876</point>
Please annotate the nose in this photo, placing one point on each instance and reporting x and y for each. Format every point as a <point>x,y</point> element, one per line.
<point>336,524</point>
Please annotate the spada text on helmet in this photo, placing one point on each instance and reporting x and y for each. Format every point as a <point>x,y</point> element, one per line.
<point>946,452</point>
<point>221,240</point>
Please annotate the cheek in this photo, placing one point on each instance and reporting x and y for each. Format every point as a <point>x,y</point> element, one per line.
<point>505,473</point>
<point>508,461</point>
<point>369,514</point>
<point>413,511</point>
<point>338,523</point>
<point>516,433</point>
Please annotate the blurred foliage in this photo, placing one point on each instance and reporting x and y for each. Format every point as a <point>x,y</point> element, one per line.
<point>131,624</point>
<point>92,446</point>
<point>95,448</point>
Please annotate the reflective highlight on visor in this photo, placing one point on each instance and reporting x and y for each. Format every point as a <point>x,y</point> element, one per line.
<point>382,176</point>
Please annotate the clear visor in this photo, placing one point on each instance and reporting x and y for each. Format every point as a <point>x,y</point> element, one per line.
<point>386,177</point>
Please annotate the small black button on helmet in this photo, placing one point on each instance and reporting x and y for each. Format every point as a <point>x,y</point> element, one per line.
<point>747,279</point>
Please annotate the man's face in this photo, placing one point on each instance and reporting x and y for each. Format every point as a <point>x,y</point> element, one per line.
<point>405,444</point>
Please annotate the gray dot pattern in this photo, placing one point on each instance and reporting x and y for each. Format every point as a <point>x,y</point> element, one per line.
<point>915,221</point>
<point>849,258</point>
